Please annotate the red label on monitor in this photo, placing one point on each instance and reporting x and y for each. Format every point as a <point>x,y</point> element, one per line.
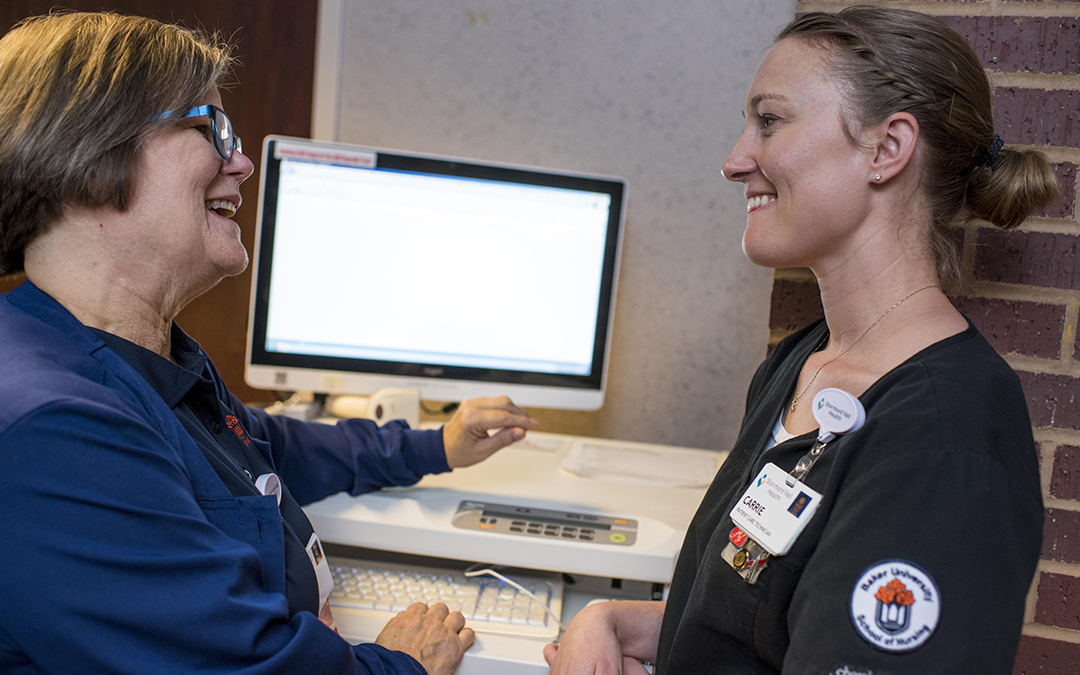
<point>326,155</point>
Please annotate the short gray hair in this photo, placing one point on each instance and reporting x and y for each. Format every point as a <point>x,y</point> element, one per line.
<point>79,94</point>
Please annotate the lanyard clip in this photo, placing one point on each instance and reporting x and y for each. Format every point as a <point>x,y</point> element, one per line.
<point>837,412</point>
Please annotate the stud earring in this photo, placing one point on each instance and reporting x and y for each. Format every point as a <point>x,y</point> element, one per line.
<point>877,176</point>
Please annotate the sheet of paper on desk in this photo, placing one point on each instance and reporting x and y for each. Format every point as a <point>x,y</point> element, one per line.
<point>642,464</point>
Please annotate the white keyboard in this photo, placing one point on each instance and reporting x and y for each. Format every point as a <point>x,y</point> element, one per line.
<point>368,594</point>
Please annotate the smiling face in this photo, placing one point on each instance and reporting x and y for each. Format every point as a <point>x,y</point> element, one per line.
<point>806,182</point>
<point>183,199</point>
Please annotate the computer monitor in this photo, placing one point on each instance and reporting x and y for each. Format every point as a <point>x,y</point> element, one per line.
<point>456,277</point>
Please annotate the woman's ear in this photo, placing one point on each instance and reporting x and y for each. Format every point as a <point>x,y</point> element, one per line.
<point>893,141</point>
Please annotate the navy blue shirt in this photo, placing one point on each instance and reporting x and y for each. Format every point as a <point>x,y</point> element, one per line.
<point>126,550</point>
<point>188,387</point>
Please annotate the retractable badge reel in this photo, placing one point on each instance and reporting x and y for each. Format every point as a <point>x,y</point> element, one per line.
<point>837,413</point>
<point>775,509</point>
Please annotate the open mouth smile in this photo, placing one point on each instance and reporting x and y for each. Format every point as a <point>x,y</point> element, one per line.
<point>759,201</point>
<point>222,207</point>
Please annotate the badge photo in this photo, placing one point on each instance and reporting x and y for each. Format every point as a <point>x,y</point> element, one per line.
<point>895,606</point>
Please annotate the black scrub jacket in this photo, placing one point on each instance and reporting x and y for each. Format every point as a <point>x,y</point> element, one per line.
<point>921,553</point>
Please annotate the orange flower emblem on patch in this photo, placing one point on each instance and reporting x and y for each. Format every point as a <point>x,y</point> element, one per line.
<point>895,593</point>
<point>237,429</point>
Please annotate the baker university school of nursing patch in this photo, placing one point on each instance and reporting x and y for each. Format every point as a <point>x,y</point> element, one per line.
<point>895,606</point>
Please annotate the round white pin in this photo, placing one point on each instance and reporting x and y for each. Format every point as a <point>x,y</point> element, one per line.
<point>895,606</point>
<point>837,412</point>
<point>269,484</point>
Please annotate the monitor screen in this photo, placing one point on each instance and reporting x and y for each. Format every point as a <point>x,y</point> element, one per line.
<point>457,277</point>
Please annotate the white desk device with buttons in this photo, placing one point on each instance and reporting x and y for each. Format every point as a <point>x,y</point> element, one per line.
<point>522,509</point>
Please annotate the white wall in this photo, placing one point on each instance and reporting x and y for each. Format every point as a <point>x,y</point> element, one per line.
<point>651,91</point>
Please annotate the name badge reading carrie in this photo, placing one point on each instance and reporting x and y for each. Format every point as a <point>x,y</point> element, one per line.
<point>774,509</point>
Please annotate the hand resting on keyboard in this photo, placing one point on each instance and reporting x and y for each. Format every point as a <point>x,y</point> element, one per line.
<point>366,594</point>
<point>434,636</point>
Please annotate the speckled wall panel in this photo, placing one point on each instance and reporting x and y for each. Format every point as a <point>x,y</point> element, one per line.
<point>651,91</point>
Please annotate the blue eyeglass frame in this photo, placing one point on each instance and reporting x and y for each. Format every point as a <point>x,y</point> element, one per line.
<point>225,141</point>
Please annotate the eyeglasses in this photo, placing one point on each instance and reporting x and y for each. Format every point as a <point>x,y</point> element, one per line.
<point>221,131</point>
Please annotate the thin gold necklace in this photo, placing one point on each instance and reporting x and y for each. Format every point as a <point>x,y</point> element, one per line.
<point>799,395</point>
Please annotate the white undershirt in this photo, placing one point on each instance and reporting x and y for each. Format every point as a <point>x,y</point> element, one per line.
<point>779,433</point>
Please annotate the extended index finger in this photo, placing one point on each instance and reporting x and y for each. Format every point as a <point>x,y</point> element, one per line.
<point>503,403</point>
<point>500,420</point>
<point>498,417</point>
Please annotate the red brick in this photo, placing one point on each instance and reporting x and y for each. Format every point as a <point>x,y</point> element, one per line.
<point>1022,44</point>
<point>1014,327</point>
<point>1037,116</point>
<point>794,304</point>
<point>1059,601</point>
<point>1061,536</point>
<point>1065,482</point>
<point>1031,258</point>
<point>1053,400</point>
<point>1039,656</point>
<point>1063,206</point>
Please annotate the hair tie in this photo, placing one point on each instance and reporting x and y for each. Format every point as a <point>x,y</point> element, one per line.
<point>991,152</point>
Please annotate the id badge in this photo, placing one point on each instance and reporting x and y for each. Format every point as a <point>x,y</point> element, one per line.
<point>774,509</point>
<point>322,568</point>
<point>325,578</point>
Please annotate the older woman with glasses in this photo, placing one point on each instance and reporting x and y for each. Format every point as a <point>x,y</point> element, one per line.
<point>141,530</point>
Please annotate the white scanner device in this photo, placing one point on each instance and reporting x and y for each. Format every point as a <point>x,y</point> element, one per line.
<point>389,403</point>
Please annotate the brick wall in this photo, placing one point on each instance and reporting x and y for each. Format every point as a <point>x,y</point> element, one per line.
<point>1026,292</point>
